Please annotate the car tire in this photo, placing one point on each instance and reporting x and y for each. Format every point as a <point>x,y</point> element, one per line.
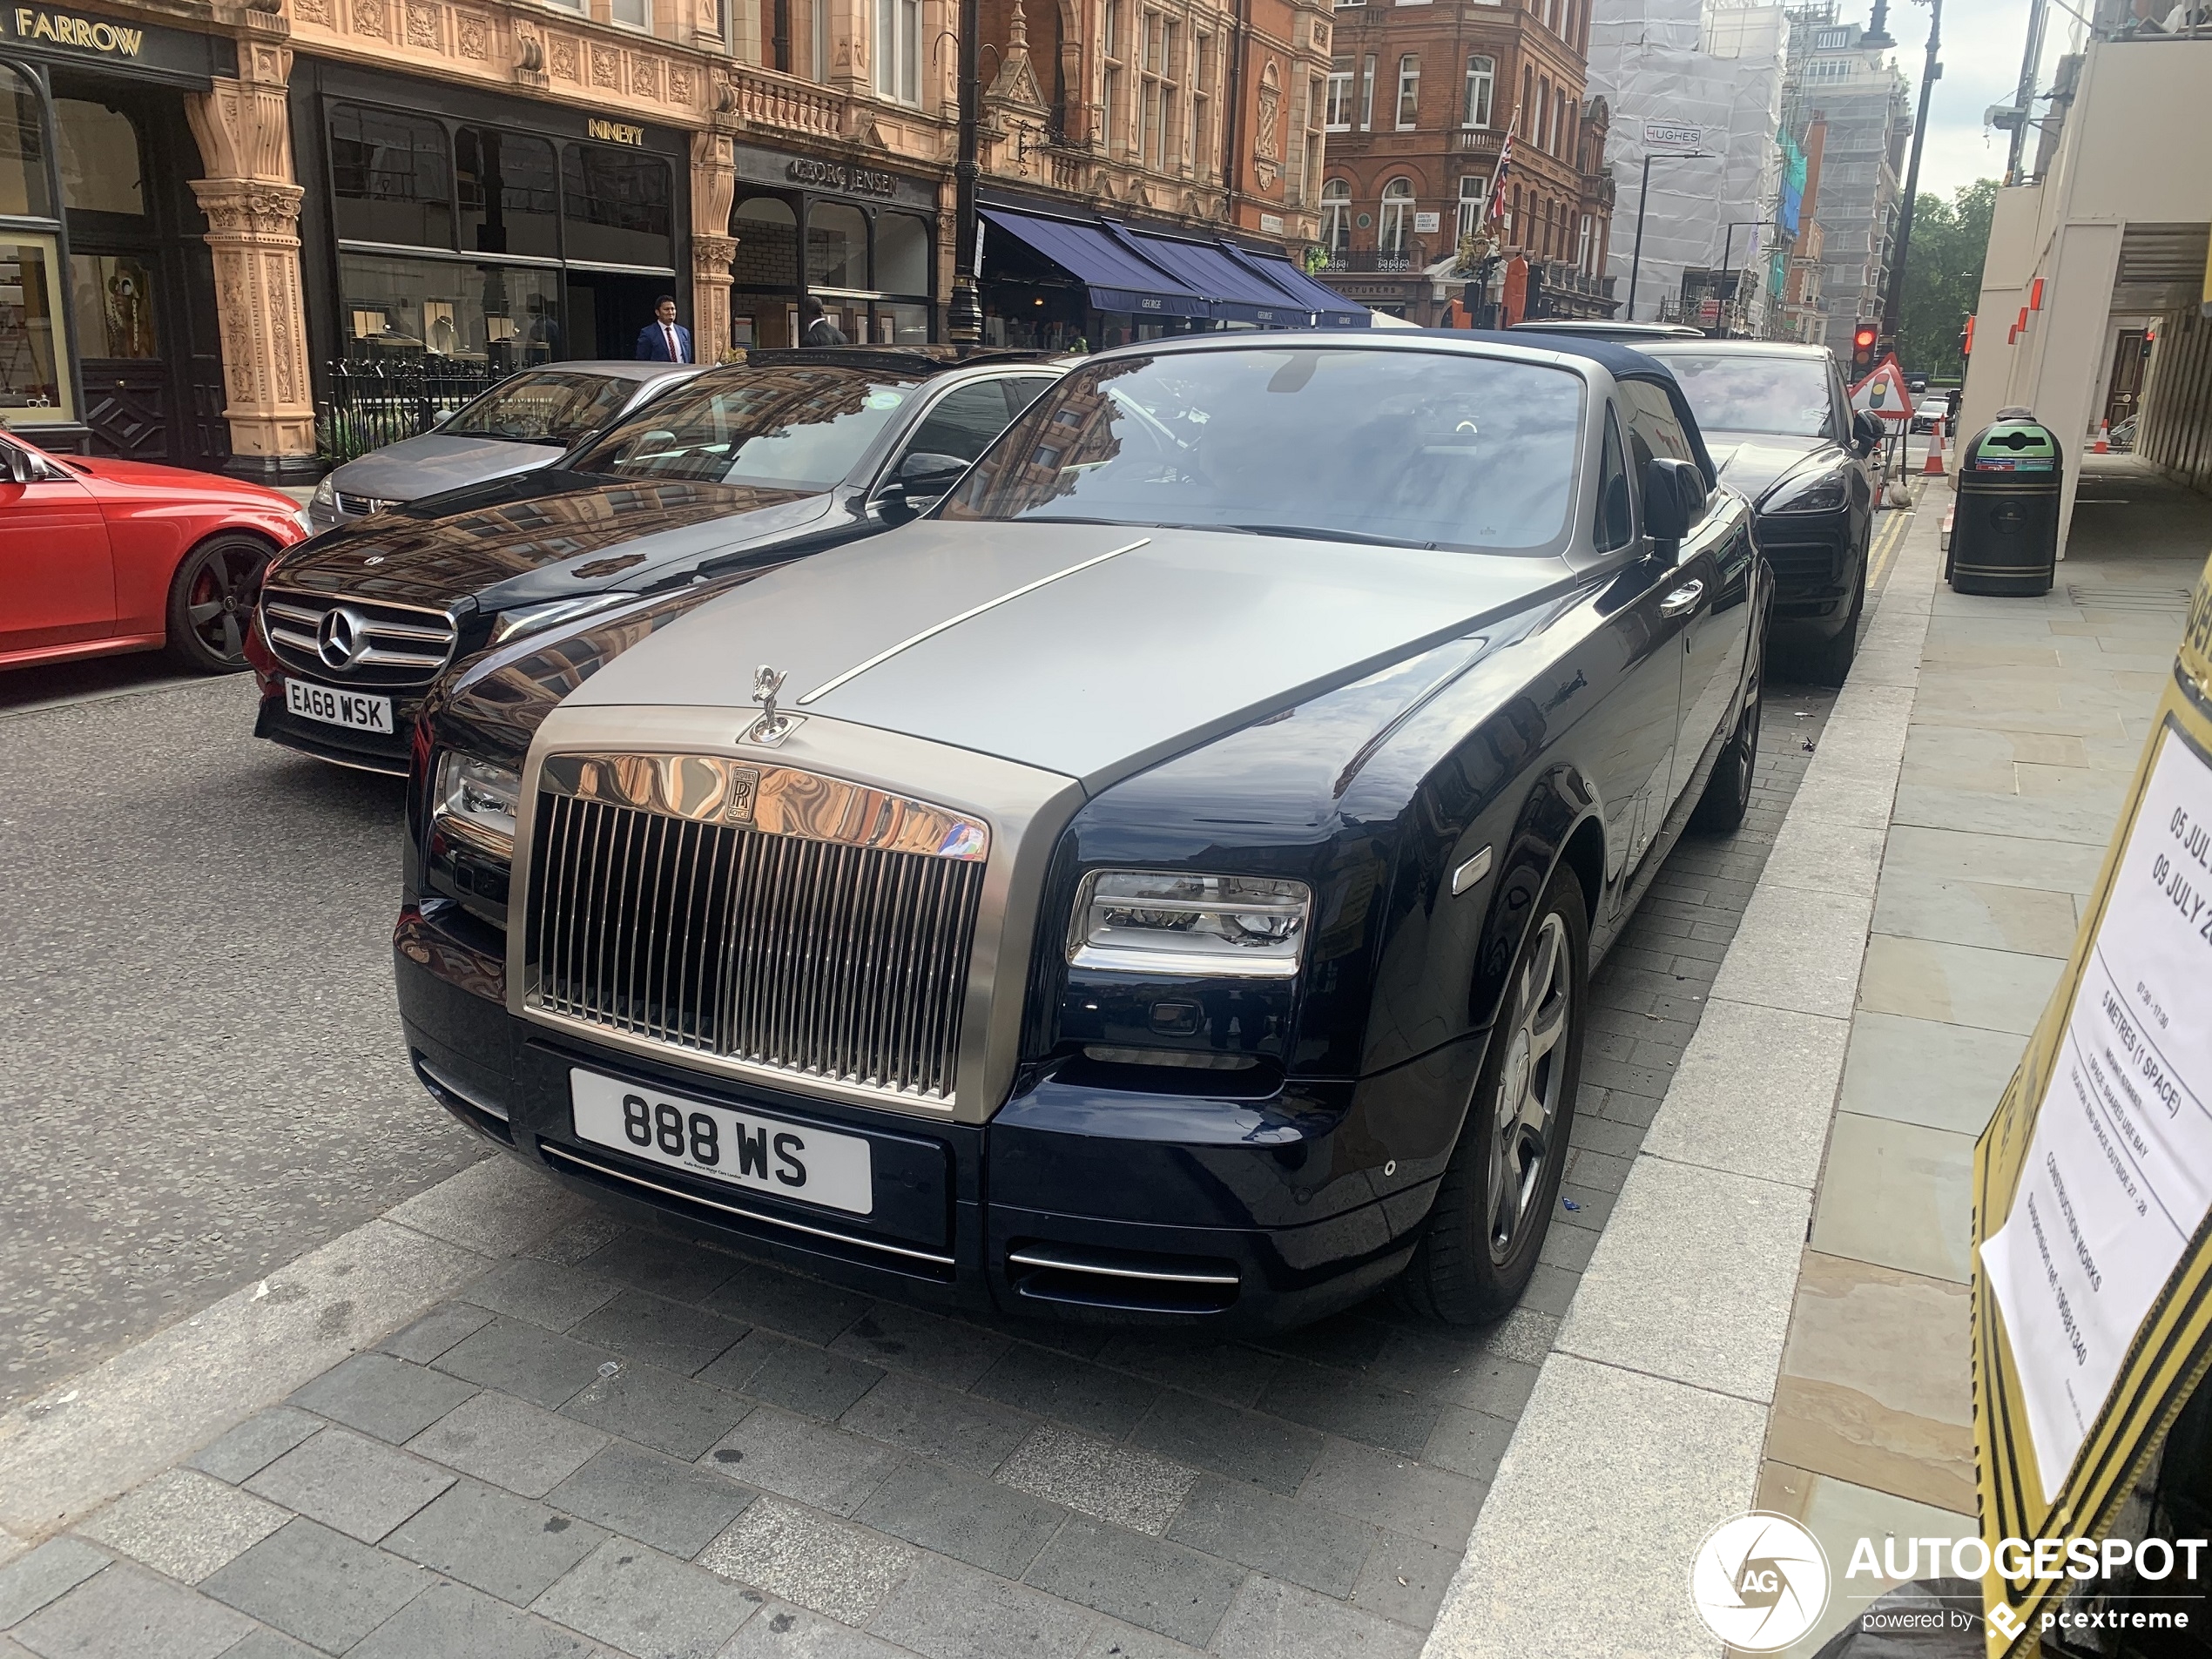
<point>1727,788</point>
<point>211,602</point>
<point>1494,1203</point>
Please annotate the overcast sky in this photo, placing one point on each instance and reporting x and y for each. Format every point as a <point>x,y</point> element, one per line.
<point>1982,42</point>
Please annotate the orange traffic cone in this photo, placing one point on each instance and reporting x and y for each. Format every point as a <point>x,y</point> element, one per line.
<point>1933,466</point>
<point>2103,445</point>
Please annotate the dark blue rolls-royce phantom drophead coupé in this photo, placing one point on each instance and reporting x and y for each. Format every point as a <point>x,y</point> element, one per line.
<point>1157,885</point>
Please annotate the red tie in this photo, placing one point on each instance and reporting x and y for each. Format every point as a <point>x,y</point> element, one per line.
<point>669,330</point>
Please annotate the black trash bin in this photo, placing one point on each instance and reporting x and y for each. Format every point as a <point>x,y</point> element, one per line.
<point>2005,532</point>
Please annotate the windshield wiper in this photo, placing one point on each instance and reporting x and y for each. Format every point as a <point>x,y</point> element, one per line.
<point>1312,533</point>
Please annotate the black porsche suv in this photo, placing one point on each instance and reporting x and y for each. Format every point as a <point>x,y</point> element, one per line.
<point>744,467</point>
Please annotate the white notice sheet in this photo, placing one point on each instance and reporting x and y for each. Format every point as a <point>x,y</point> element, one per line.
<point>2119,1174</point>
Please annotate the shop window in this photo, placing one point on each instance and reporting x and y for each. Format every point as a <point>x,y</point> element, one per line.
<point>440,311</point>
<point>32,349</point>
<point>901,253</point>
<point>767,233</point>
<point>618,206</point>
<point>102,169</point>
<point>23,190</point>
<point>837,247</point>
<point>114,299</point>
<point>902,325</point>
<point>510,191</point>
<point>391,178</point>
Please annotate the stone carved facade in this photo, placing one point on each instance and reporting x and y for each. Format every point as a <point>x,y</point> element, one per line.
<point>252,201</point>
<point>714,189</point>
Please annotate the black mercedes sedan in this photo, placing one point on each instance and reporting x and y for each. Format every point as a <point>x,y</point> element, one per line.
<point>1782,428</point>
<point>1158,886</point>
<point>738,468</point>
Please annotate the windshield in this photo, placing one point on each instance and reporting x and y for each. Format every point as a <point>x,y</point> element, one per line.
<point>540,407</point>
<point>798,427</point>
<point>1412,448</point>
<point>1785,397</point>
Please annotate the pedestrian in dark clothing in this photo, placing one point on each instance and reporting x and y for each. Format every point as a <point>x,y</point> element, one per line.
<point>665,339</point>
<point>819,329</point>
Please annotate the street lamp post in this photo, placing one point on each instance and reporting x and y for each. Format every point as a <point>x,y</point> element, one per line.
<point>1727,250</point>
<point>1643,196</point>
<point>1931,71</point>
<point>964,314</point>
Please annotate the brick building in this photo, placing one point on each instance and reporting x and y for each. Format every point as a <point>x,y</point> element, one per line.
<point>1420,98</point>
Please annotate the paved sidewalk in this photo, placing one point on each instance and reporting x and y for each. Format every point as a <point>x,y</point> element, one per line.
<point>494,1423</point>
<point>1777,1315</point>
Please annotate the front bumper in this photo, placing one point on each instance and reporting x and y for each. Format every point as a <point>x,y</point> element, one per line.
<point>364,751</point>
<point>1815,562</point>
<point>1073,1202</point>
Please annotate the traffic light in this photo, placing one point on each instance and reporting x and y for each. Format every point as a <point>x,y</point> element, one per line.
<point>1864,340</point>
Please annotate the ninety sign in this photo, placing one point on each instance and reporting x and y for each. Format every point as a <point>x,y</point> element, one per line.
<point>2093,1184</point>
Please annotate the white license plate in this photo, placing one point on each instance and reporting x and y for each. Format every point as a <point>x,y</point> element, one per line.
<point>353,710</point>
<point>766,1153</point>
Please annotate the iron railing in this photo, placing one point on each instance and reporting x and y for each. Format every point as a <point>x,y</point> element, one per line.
<point>373,404</point>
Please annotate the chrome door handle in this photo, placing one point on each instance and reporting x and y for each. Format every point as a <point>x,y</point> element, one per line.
<point>1683,598</point>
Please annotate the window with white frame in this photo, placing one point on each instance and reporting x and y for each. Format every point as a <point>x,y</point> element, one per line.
<point>1583,247</point>
<point>1113,50</point>
<point>1202,104</point>
<point>1409,92</point>
<point>1336,217</point>
<point>1317,90</point>
<point>1482,86</point>
<point>1474,194</point>
<point>1346,5</point>
<point>1367,91</point>
<point>632,14</point>
<point>1340,111</point>
<point>1395,220</point>
<point>898,50</point>
<point>1160,94</point>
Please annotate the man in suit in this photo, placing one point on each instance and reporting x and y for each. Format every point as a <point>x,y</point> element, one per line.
<point>665,339</point>
<point>817,330</point>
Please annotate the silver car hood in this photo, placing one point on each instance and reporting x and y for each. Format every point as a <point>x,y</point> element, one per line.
<point>433,463</point>
<point>1090,652</point>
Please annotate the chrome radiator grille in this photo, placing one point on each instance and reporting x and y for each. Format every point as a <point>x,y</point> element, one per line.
<point>760,942</point>
<point>367,642</point>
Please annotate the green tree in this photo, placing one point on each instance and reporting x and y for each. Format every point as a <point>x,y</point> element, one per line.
<point>1943,277</point>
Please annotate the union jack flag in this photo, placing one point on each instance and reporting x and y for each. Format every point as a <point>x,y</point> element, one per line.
<point>1497,208</point>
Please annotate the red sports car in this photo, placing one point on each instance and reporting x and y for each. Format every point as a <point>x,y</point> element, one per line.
<point>99,557</point>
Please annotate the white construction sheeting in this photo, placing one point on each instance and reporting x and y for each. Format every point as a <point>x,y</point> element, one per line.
<point>1679,63</point>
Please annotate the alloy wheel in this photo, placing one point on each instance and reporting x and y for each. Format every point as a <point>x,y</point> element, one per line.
<point>1530,1085</point>
<point>218,596</point>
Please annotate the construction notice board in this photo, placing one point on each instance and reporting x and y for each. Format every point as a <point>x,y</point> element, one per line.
<point>2093,1184</point>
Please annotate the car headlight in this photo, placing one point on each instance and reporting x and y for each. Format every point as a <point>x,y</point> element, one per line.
<point>527,619</point>
<point>476,802</point>
<point>1819,492</point>
<point>1148,921</point>
<point>326,496</point>
<point>306,523</point>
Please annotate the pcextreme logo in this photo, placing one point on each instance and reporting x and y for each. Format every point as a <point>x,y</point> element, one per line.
<point>1759,1581</point>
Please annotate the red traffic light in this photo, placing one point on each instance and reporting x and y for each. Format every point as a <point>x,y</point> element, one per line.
<point>1863,339</point>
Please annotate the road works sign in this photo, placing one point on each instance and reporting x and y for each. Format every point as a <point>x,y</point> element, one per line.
<point>1883,392</point>
<point>2093,1185</point>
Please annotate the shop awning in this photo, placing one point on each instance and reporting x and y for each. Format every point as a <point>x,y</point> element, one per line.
<point>1119,279</point>
<point>1330,309</point>
<point>1238,292</point>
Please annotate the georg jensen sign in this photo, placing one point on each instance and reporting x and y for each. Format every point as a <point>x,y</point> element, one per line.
<point>850,177</point>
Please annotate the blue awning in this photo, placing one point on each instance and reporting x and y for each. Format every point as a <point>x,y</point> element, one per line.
<point>1330,309</point>
<point>1119,279</point>
<point>1238,292</point>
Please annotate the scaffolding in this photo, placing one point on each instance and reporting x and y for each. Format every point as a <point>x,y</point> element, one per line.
<point>1667,65</point>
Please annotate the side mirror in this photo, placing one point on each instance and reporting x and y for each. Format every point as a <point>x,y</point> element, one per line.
<point>1866,432</point>
<point>922,478</point>
<point>1674,498</point>
<point>20,468</point>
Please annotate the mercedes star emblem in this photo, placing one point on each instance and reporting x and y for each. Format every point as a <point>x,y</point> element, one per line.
<point>341,636</point>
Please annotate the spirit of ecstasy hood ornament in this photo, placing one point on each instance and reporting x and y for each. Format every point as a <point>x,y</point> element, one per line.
<point>773,725</point>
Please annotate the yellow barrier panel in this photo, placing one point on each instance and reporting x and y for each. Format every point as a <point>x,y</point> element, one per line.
<point>2093,1257</point>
